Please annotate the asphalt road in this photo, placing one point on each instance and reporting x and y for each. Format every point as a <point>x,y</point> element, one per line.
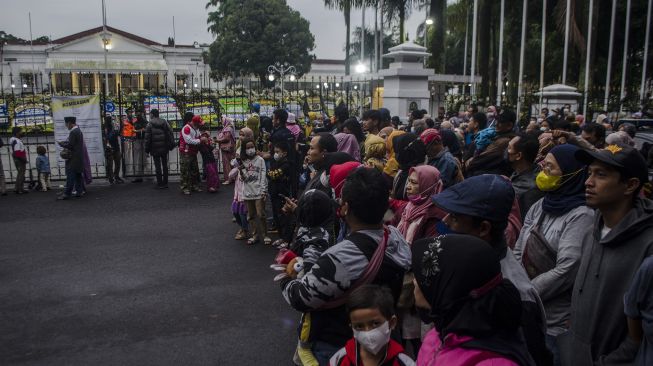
<point>130,275</point>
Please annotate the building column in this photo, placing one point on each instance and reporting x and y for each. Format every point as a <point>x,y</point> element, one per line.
<point>141,82</point>
<point>118,81</point>
<point>53,81</point>
<point>74,77</point>
<point>96,83</point>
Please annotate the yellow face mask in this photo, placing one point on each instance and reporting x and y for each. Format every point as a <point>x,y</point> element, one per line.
<point>549,183</point>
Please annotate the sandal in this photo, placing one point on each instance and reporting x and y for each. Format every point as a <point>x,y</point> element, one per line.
<point>252,241</point>
<point>267,241</point>
<point>240,235</point>
<point>279,243</point>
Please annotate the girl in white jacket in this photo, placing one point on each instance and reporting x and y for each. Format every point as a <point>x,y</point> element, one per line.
<point>253,172</point>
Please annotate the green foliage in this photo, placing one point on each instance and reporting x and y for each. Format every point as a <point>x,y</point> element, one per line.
<point>7,37</point>
<point>252,34</point>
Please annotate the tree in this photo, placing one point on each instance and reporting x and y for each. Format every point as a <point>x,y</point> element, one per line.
<point>399,10</point>
<point>389,40</point>
<point>345,6</point>
<point>252,34</point>
<point>438,12</point>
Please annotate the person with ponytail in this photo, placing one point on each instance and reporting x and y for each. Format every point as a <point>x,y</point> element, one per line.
<point>476,313</point>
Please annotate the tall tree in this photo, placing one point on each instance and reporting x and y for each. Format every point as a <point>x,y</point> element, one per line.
<point>346,6</point>
<point>399,10</point>
<point>251,34</point>
<point>438,13</point>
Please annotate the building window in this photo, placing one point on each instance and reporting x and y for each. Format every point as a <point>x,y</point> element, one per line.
<point>151,81</point>
<point>129,82</point>
<point>86,83</point>
<point>181,80</point>
<point>64,82</point>
<point>27,80</point>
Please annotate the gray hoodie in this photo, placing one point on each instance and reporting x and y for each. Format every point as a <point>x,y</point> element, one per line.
<point>598,331</point>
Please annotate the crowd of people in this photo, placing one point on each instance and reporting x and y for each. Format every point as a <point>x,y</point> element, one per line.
<point>458,239</point>
<point>454,240</point>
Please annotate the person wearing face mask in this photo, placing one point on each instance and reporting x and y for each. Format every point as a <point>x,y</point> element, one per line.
<point>371,254</point>
<point>372,317</point>
<point>460,289</point>
<point>556,229</point>
<point>491,115</point>
<point>252,171</point>
<point>280,187</point>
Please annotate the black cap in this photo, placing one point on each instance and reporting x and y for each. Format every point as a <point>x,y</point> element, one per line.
<point>70,119</point>
<point>626,159</point>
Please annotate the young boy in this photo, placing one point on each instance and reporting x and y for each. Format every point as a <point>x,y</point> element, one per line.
<point>43,168</point>
<point>279,184</point>
<point>372,316</point>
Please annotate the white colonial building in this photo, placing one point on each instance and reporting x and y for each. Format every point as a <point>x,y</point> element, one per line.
<point>76,63</point>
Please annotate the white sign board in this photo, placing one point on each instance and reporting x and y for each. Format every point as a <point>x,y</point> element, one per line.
<point>87,111</point>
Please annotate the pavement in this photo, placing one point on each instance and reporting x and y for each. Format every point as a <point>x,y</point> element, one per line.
<point>130,275</point>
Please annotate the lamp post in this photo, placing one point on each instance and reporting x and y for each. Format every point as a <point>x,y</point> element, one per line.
<point>106,41</point>
<point>282,70</point>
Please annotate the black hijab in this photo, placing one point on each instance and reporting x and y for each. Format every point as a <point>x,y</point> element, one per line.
<point>460,277</point>
<point>410,151</point>
<point>571,193</point>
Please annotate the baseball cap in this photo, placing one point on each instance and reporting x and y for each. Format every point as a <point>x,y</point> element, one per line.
<point>198,120</point>
<point>429,135</point>
<point>626,159</point>
<point>487,196</point>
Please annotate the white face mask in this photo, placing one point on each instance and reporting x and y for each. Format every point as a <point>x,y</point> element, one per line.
<point>277,156</point>
<point>374,340</point>
<point>250,152</point>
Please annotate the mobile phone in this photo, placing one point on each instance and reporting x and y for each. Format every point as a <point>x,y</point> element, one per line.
<point>283,197</point>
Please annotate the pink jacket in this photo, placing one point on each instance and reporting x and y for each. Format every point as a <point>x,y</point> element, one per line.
<point>434,353</point>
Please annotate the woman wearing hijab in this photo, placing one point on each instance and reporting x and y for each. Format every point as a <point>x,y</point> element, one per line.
<point>392,166</point>
<point>375,152</point>
<point>244,133</point>
<point>227,143</point>
<point>347,143</point>
<point>476,313</point>
<point>291,125</point>
<point>410,151</point>
<point>556,229</point>
<point>420,215</point>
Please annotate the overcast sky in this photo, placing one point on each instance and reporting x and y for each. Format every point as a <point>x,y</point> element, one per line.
<point>153,20</point>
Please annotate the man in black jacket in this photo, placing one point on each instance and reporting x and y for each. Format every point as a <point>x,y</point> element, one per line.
<point>75,164</point>
<point>159,141</point>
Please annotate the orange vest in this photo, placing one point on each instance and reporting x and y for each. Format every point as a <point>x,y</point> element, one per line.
<point>128,129</point>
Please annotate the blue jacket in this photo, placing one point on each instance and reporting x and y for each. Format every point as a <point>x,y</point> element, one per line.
<point>42,164</point>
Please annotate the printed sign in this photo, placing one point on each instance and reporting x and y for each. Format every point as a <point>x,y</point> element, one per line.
<point>87,111</point>
<point>167,107</point>
<point>236,108</point>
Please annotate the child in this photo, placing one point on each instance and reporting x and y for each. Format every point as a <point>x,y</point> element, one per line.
<point>238,206</point>
<point>226,142</point>
<point>255,185</point>
<point>372,318</point>
<point>208,160</point>
<point>43,168</point>
<point>314,211</point>
<point>279,183</point>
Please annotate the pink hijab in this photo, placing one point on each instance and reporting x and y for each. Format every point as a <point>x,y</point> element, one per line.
<point>347,143</point>
<point>421,207</point>
<point>291,125</point>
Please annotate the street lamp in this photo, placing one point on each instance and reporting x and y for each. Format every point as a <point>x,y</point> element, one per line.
<point>429,21</point>
<point>361,68</point>
<point>282,70</point>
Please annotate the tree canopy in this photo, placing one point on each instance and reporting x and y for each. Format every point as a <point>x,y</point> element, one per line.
<point>252,34</point>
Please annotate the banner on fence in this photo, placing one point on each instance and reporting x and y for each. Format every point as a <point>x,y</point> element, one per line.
<point>236,108</point>
<point>4,114</point>
<point>31,115</point>
<point>205,110</point>
<point>267,107</point>
<point>167,107</point>
<point>87,111</point>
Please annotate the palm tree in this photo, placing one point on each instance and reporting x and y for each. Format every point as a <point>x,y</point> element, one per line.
<point>400,10</point>
<point>345,6</point>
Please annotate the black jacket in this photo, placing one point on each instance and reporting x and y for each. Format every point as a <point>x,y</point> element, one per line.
<point>75,144</point>
<point>158,137</point>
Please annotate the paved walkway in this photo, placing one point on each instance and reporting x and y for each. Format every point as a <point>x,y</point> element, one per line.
<point>130,275</point>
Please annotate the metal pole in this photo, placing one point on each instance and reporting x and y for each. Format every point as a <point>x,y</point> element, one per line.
<point>381,36</point>
<point>500,68</point>
<point>622,95</point>
<point>363,37</point>
<point>473,70</point>
<point>542,50</point>
<point>646,38</point>
<point>521,56</point>
<point>587,59</point>
<point>465,57</point>
<point>31,49</point>
<point>174,50</point>
<point>375,64</point>
<point>106,50</point>
<point>610,48</point>
<point>564,61</point>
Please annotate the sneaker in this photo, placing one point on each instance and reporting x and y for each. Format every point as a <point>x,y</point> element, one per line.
<point>197,189</point>
<point>62,197</point>
<point>186,192</point>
